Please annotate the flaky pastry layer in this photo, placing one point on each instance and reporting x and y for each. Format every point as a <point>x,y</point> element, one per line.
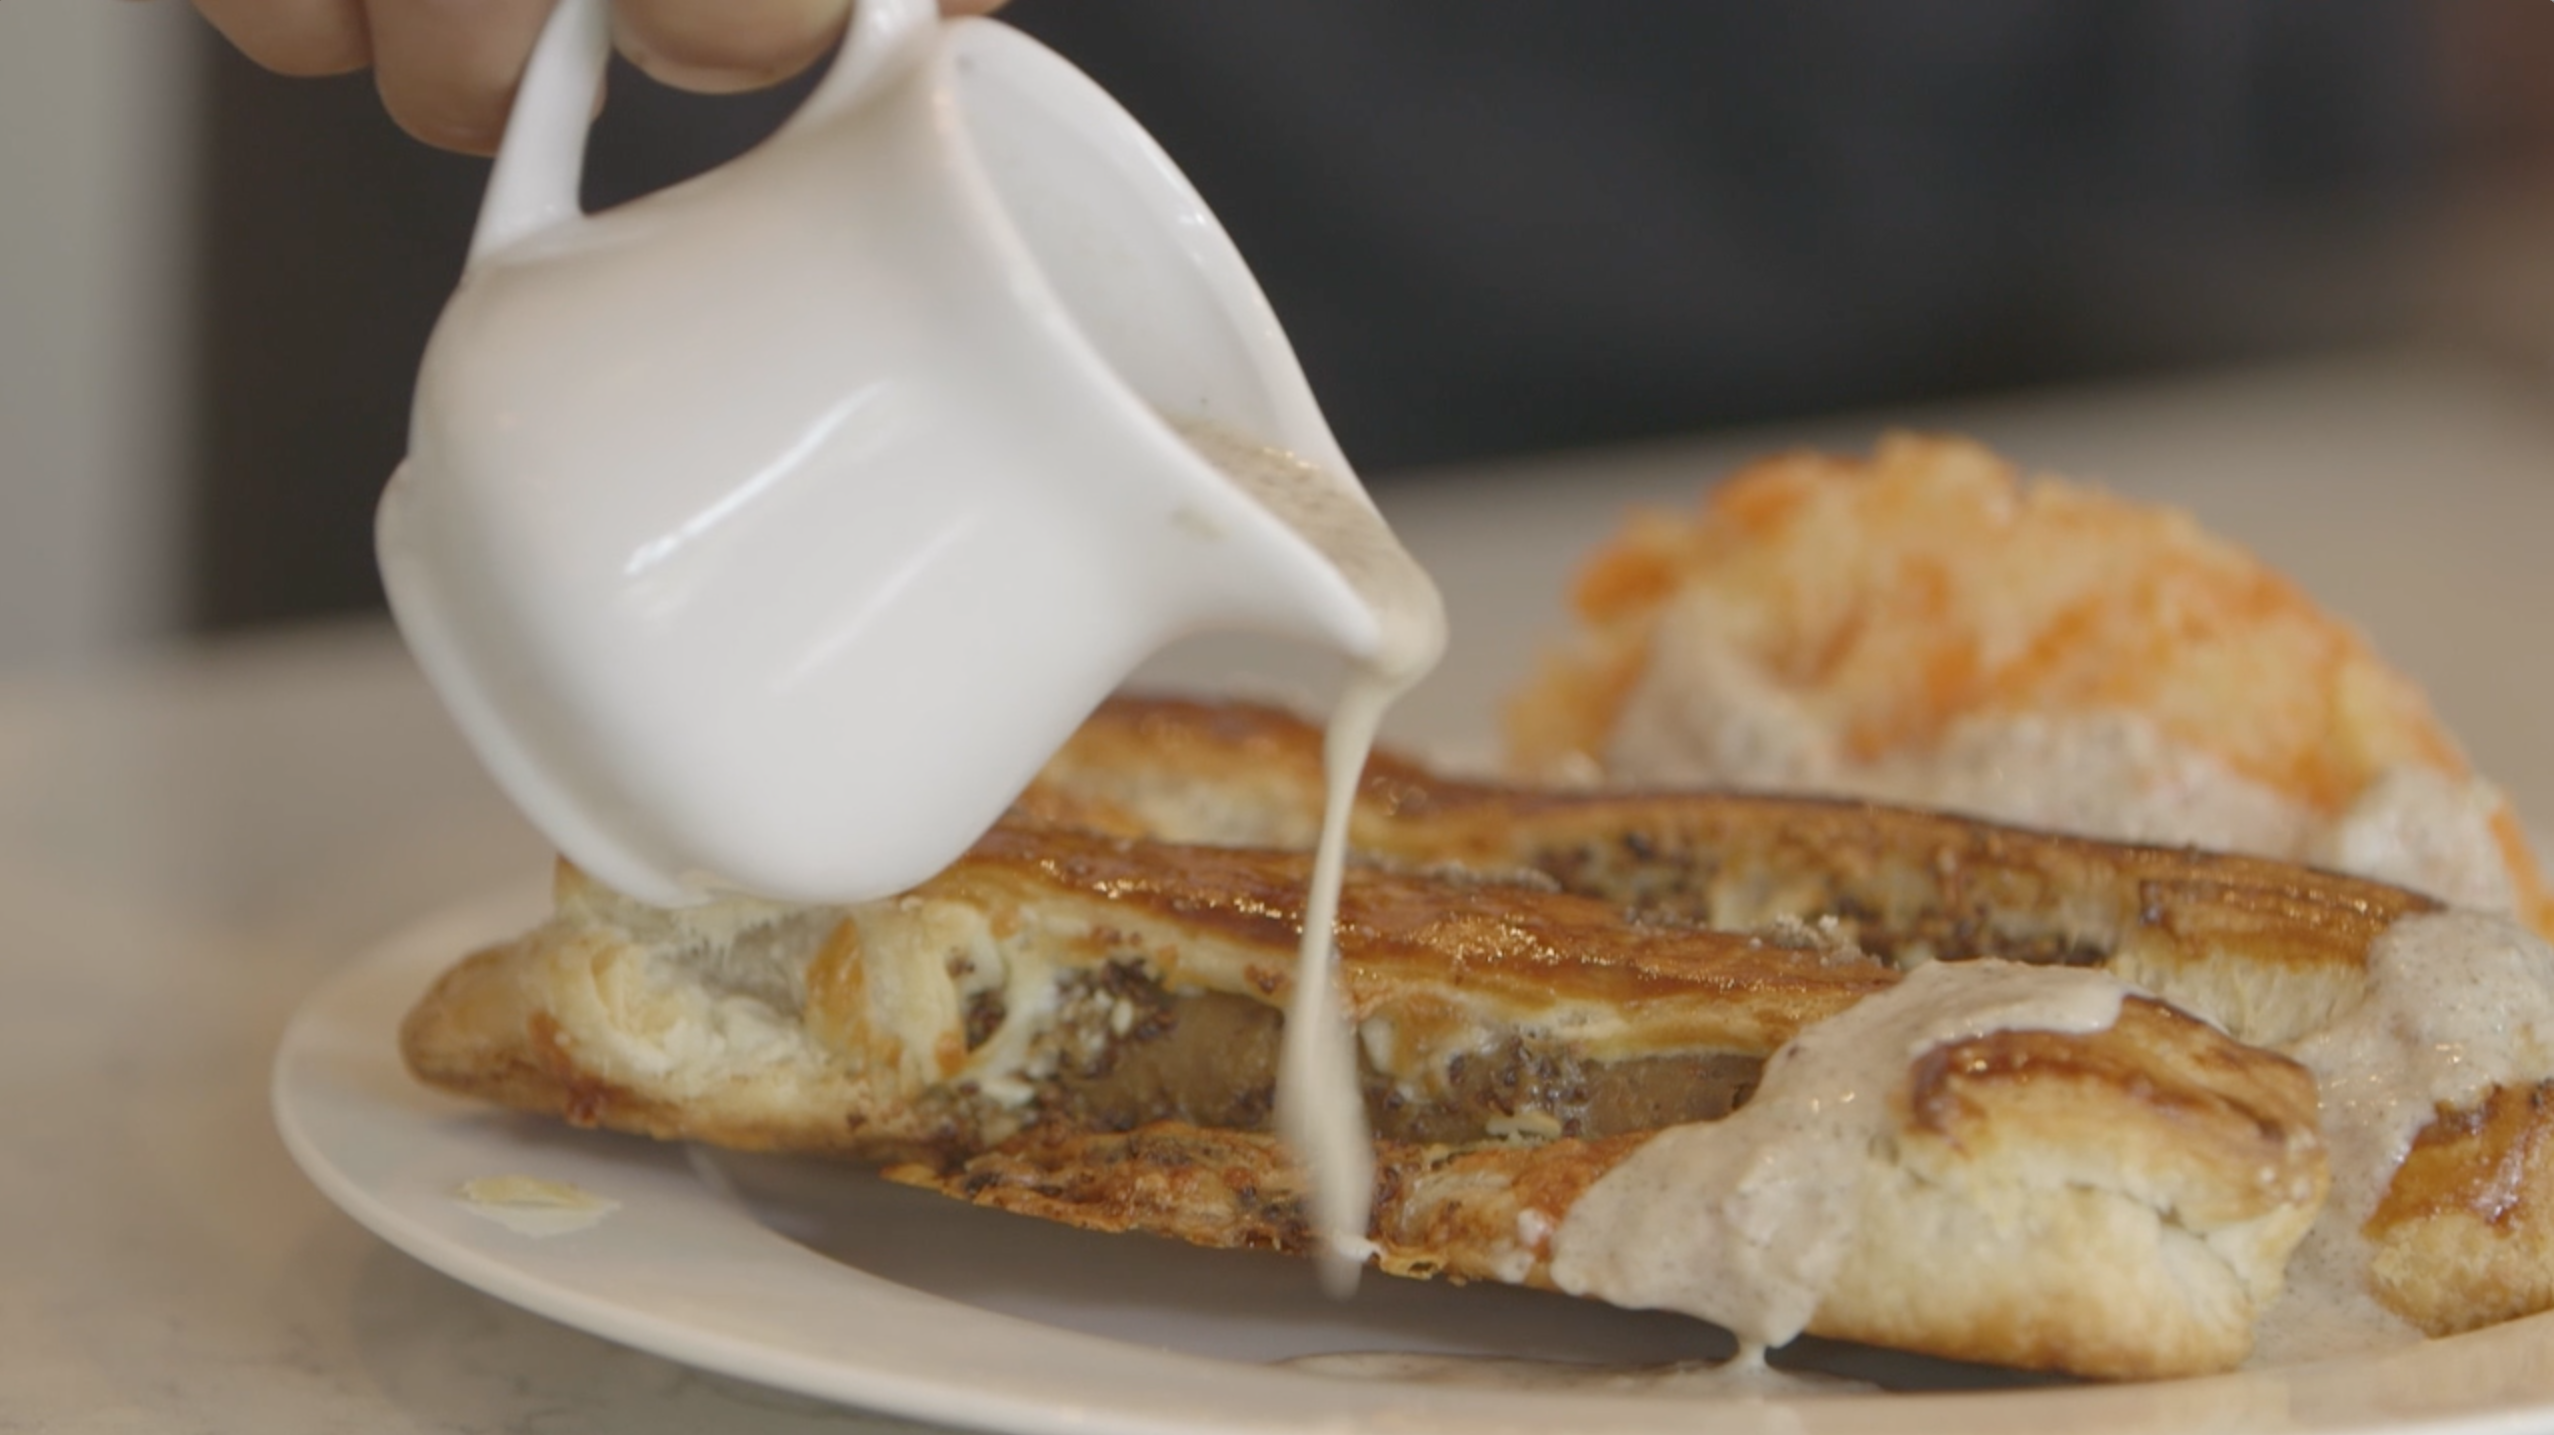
<point>1080,1022</point>
<point>2269,951</point>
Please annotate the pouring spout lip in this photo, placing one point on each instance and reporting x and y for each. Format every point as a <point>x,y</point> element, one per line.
<point>1248,567</point>
<point>1145,294</point>
<point>677,731</point>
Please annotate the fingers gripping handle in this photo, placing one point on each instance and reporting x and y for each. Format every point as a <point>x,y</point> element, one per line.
<point>534,184</point>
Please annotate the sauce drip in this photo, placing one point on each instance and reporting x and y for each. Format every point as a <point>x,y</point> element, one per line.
<point>534,1205</point>
<point>1320,1113</point>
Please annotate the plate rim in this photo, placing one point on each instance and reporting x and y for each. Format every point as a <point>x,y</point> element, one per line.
<point>1131,1388</point>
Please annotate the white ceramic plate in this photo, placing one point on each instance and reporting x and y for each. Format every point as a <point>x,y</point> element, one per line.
<point>824,1281</point>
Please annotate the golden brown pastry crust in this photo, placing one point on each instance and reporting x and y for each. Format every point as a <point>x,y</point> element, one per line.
<point>2267,950</point>
<point>2017,1162</point>
<point>2465,1235</point>
<point>960,1029</point>
<point>609,1015</point>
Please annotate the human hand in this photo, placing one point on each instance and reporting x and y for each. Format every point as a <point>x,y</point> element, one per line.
<point>447,68</point>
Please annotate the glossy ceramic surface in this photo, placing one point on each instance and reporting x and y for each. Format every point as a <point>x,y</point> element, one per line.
<point>767,532</point>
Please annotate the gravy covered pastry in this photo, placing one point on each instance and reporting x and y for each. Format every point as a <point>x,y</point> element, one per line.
<point>2429,1029</point>
<point>1928,627</point>
<point>1983,1160</point>
<point>1568,1006</point>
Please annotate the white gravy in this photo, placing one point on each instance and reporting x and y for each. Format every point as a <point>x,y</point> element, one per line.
<point>2457,1003</point>
<point>1320,1112</point>
<point>1743,1221</point>
<point>2420,828</point>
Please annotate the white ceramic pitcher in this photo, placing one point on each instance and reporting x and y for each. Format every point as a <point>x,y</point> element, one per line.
<point>768,532</point>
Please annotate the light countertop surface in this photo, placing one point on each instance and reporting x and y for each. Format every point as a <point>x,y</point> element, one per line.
<point>190,842</point>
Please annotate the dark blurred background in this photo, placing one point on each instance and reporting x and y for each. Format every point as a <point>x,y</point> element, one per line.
<point>1499,226</point>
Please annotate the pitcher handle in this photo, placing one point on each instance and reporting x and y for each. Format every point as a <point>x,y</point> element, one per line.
<point>534,184</point>
<point>885,39</point>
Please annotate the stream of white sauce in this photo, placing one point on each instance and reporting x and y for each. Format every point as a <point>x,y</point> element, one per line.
<point>1320,1112</point>
<point>1743,1221</point>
